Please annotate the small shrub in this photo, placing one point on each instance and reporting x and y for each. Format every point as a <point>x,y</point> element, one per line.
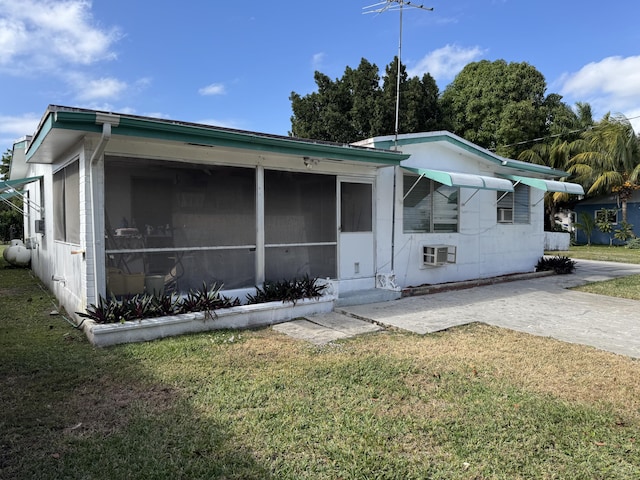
<point>560,265</point>
<point>113,310</point>
<point>206,299</point>
<point>634,243</point>
<point>625,232</point>
<point>287,291</point>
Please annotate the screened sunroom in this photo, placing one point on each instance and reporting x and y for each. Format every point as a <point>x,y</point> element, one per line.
<point>171,226</point>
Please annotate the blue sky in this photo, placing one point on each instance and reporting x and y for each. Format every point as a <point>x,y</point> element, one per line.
<point>235,63</point>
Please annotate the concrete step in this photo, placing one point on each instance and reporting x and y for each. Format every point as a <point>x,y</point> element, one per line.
<point>325,328</point>
<point>362,297</point>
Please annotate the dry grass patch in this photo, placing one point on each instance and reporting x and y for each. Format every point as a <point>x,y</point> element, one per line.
<point>566,371</point>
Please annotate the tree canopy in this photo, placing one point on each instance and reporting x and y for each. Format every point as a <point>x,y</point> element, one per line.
<point>360,105</point>
<point>5,164</point>
<point>10,218</point>
<point>497,105</point>
<point>500,105</point>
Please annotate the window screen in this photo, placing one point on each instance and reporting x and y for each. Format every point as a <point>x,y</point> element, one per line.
<point>429,206</point>
<point>356,210</point>
<point>300,225</point>
<point>185,223</point>
<point>66,199</point>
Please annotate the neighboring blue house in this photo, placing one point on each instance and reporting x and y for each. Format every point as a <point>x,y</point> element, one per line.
<point>595,207</point>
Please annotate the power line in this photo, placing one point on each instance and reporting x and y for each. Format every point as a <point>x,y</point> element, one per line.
<point>540,139</point>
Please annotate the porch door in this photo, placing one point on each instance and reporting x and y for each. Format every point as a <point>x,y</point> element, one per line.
<point>356,241</point>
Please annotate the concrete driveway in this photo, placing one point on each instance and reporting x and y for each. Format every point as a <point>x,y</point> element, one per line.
<point>539,306</point>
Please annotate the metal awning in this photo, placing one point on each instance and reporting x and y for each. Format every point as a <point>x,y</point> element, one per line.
<point>464,180</point>
<point>7,185</point>
<point>10,188</point>
<point>548,185</point>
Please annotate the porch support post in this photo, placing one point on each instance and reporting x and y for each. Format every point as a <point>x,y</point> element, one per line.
<point>260,255</point>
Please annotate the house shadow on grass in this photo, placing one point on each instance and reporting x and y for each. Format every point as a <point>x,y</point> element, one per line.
<point>74,411</point>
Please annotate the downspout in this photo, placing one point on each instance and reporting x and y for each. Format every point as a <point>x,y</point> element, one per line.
<point>95,158</point>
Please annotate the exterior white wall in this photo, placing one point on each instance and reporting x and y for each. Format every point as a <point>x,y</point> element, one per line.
<point>557,241</point>
<point>484,247</point>
<point>59,265</point>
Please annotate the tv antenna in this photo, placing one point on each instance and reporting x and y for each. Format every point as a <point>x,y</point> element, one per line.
<point>392,6</point>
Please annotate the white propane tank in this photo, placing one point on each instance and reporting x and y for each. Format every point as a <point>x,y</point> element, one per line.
<point>17,255</point>
<point>22,256</point>
<point>10,254</point>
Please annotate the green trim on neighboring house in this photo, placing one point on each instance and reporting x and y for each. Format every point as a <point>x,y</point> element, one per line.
<point>64,118</point>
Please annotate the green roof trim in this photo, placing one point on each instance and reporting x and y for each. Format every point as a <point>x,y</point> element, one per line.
<point>66,118</point>
<point>389,143</point>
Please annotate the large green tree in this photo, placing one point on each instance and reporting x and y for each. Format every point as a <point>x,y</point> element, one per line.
<point>5,164</point>
<point>10,218</point>
<point>360,105</point>
<point>498,105</point>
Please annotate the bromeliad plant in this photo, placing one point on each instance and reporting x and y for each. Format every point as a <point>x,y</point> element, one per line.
<point>115,310</point>
<point>206,299</point>
<point>287,290</point>
<point>560,265</point>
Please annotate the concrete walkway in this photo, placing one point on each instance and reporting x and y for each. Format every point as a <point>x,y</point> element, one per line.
<point>539,306</point>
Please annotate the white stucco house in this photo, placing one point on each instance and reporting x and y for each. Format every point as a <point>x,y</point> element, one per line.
<point>116,203</point>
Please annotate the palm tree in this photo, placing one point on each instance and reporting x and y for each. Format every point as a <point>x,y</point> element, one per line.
<point>558,153</point>
<point>609,160</point>
<point>587,224</point>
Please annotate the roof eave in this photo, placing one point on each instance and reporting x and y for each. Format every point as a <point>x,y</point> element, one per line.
<point>87,121</point>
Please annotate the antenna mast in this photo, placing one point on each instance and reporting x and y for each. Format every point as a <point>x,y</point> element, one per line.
<point>393,5</point>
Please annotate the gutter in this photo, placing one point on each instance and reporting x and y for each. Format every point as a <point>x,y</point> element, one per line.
<point>107,121</point>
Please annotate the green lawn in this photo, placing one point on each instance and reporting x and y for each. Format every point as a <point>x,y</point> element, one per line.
<point>627,287</point>
<point>602,252</point>
<point>475,402</point>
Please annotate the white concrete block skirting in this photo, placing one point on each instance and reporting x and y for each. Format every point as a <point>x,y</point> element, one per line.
<point>244,316</point>
<point>555,241</point>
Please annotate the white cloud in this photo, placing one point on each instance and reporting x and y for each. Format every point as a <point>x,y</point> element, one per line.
<point>445,63</point>
<point>213,89</point>
<point>48,34</point>
<point>317,60</point>
<point>96,89</point>
<point>14,127</point>
<point>610,85</point>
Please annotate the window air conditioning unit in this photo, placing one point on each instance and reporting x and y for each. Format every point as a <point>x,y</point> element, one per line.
<point>40,226</point>
<point>436,255</point>
<point>505,215</point>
